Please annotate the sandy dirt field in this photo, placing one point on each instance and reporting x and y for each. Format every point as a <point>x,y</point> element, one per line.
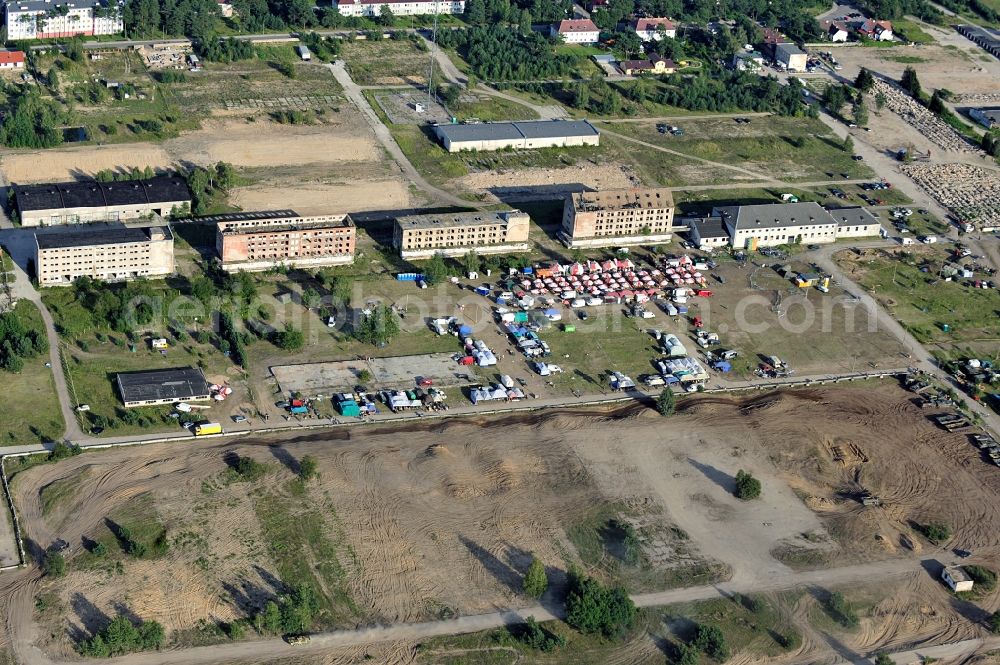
<point>956,64</point>
<point>617,176</point>
<point>321,198</point>
<point>443,517</point>
<point>256,144</point>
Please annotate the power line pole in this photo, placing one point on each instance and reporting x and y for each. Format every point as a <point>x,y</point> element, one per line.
<point>430,75</point>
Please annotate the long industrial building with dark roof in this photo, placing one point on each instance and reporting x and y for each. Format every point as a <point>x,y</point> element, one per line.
<point>82,202</point>
<point>163,386</point>
<point>527,134</point>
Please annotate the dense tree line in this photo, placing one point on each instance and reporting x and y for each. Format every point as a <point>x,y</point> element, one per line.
<point>727,90</point>
<point>499,54</point>
<point>150,18</point>
<point>18,342</point>
<point>205,183</point>
<point>120,307</point>
<point>293,613</point>
<point>30,121</point>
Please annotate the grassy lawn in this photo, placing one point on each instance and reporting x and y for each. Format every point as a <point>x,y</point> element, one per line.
<point>385,62</point>
<point>30,412</point>
<point>752,625</point>
<point>428,157</point>
<point>922,302</point>
<point>796,148</point>
<point>490,109</point>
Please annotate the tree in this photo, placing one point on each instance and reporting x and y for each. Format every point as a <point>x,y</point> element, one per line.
<point>712,642</point>
<point>880,100</point>
<point>581,95</point>
<point>936,104</point>
<point>435,270</point>
<point>834,97</point>
<point>860,112</point>
<point>310,298</point>
<point>308,468</point>
<point>289,339</point>
<point>377,326</point>
<point>471,262</point>
<point>54,564</point>
<point>524,22</point>
<point>475,12</point>
<point>882,658</point>
<point>865,81</point>
<point>386,17</point>
<point>910,82</point>
<point>666,403</point>
<point>848,144</point>
<point>747,487</point>
<point>594,608</point>
<point>535,581</point>
<point>686,655</point>
<point>270,619</point>
<point>995,623</point>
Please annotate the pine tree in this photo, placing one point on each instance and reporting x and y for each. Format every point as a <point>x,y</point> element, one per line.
<point>865,81</point>
<point>535,581</point>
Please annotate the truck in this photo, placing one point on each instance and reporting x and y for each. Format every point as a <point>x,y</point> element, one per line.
<point>204,429</point>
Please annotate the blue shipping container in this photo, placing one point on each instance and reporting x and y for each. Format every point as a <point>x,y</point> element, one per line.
<point>408,276</point>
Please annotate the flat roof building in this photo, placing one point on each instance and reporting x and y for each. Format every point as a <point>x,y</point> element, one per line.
<point>92,201</point>
<point>529,134</point>
<point>454,234</point>
<point>110,254</point>
<point>791,57</point>
<point>44,19</point>
<point>163,386</point>
<point>988,40</point>
<point>618,217</point>
<point>987,117</point>
<point>956,578</point>
<point>707,232</point>
<point>267,239</point>
<point>404,8</point>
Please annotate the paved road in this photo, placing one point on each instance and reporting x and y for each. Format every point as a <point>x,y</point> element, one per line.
<point>260,650</point>
<point>353,92</point>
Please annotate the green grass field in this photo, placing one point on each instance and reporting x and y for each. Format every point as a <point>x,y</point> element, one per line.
<point>30,412</point>
<point>387,61</point>
<point>922,302</point>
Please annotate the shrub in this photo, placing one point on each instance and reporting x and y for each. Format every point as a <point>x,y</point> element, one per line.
<point>841,611</point>
<point>666,403</point>
<point>985,580</point>
<point>935,532</point>
<point>54,564</point>
<point>121,636</point>
<point>882,658</point>
<point>63,450</point>
<point>535,580</point>
<point>535,636</point>
<point>308,468</point>
<point>995,623</point>
<point>250,469</point>
<point>710,641</point>
<point>747,487</point>
<point>594,608</point>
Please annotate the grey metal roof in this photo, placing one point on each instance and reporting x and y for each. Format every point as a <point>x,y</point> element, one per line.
<point>854,216</point>
<point>555,128</point>
<point>506,131</point>
<point>61,239</point>
<point>773,215</point>
<point>708,227</point>
<point>250,216</point>
<point>790,49</point>
<point>175,384</point>
<point>475,218</point>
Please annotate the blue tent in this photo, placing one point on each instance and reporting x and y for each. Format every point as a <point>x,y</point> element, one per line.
<point>551,312</point>
<point>465,331</point>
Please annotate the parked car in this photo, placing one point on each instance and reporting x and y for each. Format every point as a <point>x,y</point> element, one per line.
<point>239,418</point>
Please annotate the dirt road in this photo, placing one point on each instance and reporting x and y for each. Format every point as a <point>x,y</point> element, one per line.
<point>353,92</point>
<point>258,650</point>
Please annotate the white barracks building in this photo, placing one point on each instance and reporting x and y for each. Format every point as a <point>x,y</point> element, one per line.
<point>408,8</point>
<point>44,19</point>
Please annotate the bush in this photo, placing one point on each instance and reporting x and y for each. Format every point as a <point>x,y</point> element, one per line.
<point>594,608</point>
<point>308,468</point>
<point>985,580</point>
<point>666,403</point>
<point>534,636</point>
<point>535,580</point>
<point>994,623</point>
<point>841,611</point>
<point>54,564</point>
<point>686,655</point>
<point>63,451</point>
<point>250,469</point>
<point>935,532</point>
<point>882,658</point>
<point>289,339</point>
<point>711,642</point>
<point>747,487</point>
<point>121,636</point>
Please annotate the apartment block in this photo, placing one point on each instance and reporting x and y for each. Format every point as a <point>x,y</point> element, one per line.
<point>262,240</point>
<point>454,234</point>
<point>111,254</point>
<point>44,19</point>
<point>618,217</point>
<point>372,8</point>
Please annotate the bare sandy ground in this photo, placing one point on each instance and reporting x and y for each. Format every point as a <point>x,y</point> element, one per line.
<point>243,144</point>
<point>321,198</point>
<point>609,177</point>
<point>445,515</point>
